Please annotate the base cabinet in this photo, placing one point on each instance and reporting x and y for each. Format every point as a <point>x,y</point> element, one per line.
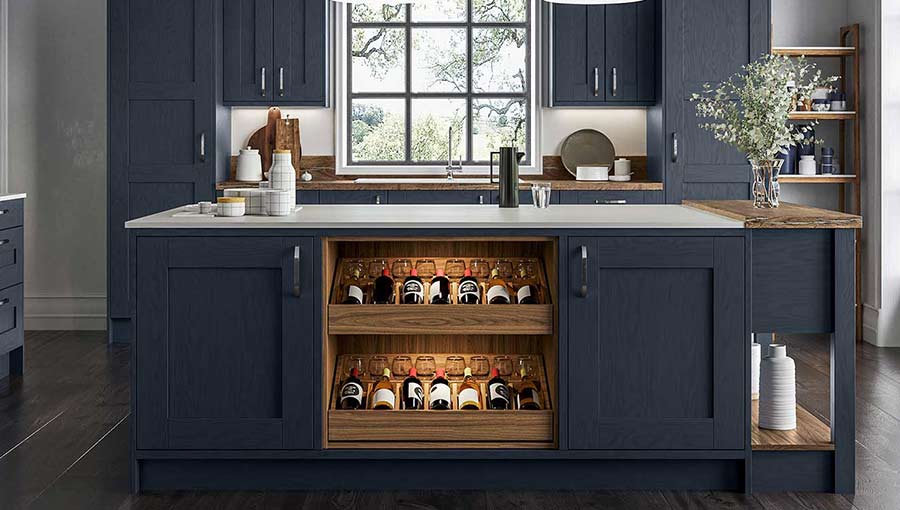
<point>225,343</point>
<point>656,343</point>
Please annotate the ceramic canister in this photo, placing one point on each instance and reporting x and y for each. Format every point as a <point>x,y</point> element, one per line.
<point>230,206</point>
<point>623,167</point>
<point>777,390</point>
<point>282,175</point>
<point>807,165</point>
<point>278,203</point>
<point>249,166</point>
<point>254,197</point>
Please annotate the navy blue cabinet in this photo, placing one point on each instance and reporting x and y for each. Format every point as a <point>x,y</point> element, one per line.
<point>440,197</point>
<point>657,343</point>
<point>602,197</point>
<point>12,264</point>
<point>601,55</point>
<point>353,197</point>
<point>226,340</point>
<point>276,52</point>
<point>167,137</point>
<point>706,41</point>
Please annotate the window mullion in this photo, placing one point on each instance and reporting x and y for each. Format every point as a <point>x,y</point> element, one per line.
<point>407,148</point>
<point>469,103</point>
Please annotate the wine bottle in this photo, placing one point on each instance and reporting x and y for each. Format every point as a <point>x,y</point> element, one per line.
<point>413,289</point>
<point>527,294</point>
<point>439,396</point>
<point>498,392</point>
<point>353,293</point>
<point>498,293</point>
<point>439,293</point>
<point>384,392</point>
<point>413,394</point>
<point>384,289</point>
<point>352,391</point>
<point>469,397</point>
<point>527,394</point>
<point>469,291</point>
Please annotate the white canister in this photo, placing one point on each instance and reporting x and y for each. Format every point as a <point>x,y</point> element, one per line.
<point>623,167</point>
<point>230,207</point>
<point>282,175</point>
<point>592,173</point>
<point>254,199</point>
<point>807,165</point>
<point>278,203</point>
<point>755,358</point>
<point>249,166</point>
<point>777,390</point>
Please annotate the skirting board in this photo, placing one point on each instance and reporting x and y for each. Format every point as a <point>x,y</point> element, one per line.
<point>83,313</point>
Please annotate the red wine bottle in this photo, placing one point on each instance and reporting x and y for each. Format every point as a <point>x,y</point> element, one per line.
<point>413,289</point>
<point>439,293</point>
<point>384,289</point>
<point>351,391</point>
<point>469,291</point>
<point>498,392</point>
<point>439,396</point>
<point>413,394</point>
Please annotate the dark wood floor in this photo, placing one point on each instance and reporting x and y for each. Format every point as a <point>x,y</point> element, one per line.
<point>64,444</point>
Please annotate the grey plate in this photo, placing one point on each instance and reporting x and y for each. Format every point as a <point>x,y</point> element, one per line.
<point>587,147</point>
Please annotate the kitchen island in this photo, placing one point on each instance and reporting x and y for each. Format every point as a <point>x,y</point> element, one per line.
<point>638,346</point>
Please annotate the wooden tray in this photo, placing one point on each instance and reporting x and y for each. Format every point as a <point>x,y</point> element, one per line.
<point>369,428</point>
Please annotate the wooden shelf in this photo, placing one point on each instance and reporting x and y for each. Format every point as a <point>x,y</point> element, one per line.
<point>816,179</point>
<point>440,319</point>
<point>815,51</point>
<point>822,115</point>
<point>811,434</point>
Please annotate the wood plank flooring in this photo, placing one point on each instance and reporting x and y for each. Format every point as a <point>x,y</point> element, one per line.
<point>64,444</point>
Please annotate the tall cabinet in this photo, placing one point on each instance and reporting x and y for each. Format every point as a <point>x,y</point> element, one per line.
<point>705,41</point>
<point>168,135</point>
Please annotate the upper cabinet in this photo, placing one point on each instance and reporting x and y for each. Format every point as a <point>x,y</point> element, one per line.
<point>276,52</point>
<point>601,55</point>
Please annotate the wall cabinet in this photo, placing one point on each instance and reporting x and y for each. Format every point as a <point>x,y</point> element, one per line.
<point>226,338</point>
<point>276,52</point>
<point>657,343</point>
<point>601,55</point>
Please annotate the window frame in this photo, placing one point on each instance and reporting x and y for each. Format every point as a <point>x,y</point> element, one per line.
<point>343,109</point>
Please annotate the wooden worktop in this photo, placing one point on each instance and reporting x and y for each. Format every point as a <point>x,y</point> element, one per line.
<point>784,217</point>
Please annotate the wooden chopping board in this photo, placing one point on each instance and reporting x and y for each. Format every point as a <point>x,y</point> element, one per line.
<point>277,134</point>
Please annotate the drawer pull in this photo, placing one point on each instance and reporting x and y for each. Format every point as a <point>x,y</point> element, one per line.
<point>583,292</point>
<point>4,241</point>
<point>610,202</point>
<point>4,301</point>
<point>4,211</point>
<point>296,271</point>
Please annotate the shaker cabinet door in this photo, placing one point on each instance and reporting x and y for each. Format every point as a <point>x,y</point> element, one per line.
<point>247,45</point>
<point>630,49</point>
<point>657,344</point>
<point>225,344</point>
<point>576,59</point>
<point>301,54</point>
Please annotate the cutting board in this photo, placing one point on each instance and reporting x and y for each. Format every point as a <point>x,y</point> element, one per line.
<point>287,137</point>
<point>277,134</point>
<point>264,138</point>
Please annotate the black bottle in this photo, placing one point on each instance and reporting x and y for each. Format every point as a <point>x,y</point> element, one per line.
<point>439,396</point>
<point>469,291</point>
<point>351,391</point>
<point>439,293</point>
<point>498,392</point>
<point>413,289</point>
<point>413,394</point>
<point>384,289</point>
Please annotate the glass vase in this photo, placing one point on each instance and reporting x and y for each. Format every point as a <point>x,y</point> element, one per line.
<point>765,183</point>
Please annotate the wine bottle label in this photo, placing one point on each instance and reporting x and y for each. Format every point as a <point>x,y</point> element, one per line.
<point>355,292</point>
<point>439,392</point>
<point>497,291</point>
<point>469,396</point>
<point>523,293</point>
<point>351,391</point>
<point>413,287</point>
<point>499,390</point>
<point>434,291</point>
<point>414,391</point>
<point>384,396</point>
<point>469,288</point>
<point>528,396</point>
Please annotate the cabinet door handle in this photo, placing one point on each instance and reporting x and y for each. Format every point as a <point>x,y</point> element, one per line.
<point>262,81</point>
<point>615,82</point>
<point>480,199</point>
<point>377,199</point>
<point>610,202</point>
<point>281,81</point>
<point>296,271</point>
<point>674,147</point>
<point>583,292</point>
<point>596,81</point>
<point>4,301</point>
<point>203,147</point>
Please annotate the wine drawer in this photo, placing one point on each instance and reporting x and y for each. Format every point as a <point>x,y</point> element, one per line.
<point>440,319</point>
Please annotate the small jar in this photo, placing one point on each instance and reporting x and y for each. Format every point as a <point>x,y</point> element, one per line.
<point>807,165</point>
<point>231,207</point>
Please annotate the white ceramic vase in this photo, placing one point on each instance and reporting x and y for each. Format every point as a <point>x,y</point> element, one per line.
<point>249,166</point>
<point>777,390</point>
<point>282,175</point>
<point>755,358</point>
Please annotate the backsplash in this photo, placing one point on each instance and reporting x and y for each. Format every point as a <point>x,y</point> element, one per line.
<point>626,128</point>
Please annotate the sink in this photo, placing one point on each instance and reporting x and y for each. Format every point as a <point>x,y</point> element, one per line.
<point>424,180</point>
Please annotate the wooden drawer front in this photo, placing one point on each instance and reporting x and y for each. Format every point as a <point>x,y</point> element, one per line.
<point>12,331</point>
<point>11,257</point>
<point>11,213</point>
<point>602,197</point>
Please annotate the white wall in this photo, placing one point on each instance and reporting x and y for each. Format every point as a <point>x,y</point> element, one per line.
<point>4,108</point>
<point>57,141</point>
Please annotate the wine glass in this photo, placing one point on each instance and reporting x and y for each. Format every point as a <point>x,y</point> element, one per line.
<point>455,268</point>
<point>425,267</point>
<point>425,365</point>
<point>401,365</point>
<point>376,267</point>
<point>529,365</point>
<point>505,268</point>
<point>351,267</point>
<point>456,365</point>
<point>377,364</point>
<point>525,269</point>
<point>354,362</point>
<point>401,268</point>
<point>481,365</point>
<point>503,364</point>
<point>480,268</point>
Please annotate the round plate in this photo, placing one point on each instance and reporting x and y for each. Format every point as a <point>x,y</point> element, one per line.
<point>587,147</point>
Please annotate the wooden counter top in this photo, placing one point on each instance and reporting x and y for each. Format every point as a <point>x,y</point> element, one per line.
<point>786,216</point>
<point>349,185</point>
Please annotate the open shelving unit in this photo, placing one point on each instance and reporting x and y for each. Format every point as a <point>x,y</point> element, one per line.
<point>811,434</point>
<point>848,49</point>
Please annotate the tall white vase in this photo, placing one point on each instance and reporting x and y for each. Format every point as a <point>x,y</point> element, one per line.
<point>282,175</point>
<point>777,390</point>
<point>755,359</point>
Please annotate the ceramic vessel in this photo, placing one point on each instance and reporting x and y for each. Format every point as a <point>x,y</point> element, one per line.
<point>777,390</point>
<point>278,203</point>
<point>623,167</point>
<point>249,166</point>
<point>282,175</point>
<point>807,165</point>
<point>755,358</point>
<point>230,207</point>
<point>592,173</point>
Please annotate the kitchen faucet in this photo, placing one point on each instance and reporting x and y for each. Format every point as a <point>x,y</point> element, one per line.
<point>450,166</point>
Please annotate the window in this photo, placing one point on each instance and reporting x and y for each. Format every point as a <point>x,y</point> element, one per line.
<point>413,72</point>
